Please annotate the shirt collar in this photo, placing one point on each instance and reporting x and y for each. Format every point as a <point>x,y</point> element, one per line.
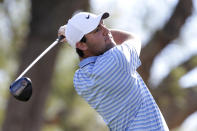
<point>87,61</point>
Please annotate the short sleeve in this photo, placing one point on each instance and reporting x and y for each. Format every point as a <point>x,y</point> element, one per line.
<point>134,43</point>
<point>127,55</point>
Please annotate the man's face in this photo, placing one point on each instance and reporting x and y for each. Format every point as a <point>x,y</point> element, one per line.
<point>99,40</point>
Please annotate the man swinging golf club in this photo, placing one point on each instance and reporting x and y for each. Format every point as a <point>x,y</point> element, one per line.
<point>107,78</point>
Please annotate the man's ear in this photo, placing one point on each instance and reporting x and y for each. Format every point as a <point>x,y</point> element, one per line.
<point>82,46</point>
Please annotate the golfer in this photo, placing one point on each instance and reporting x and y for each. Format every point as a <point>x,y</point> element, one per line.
<point>107,77</point>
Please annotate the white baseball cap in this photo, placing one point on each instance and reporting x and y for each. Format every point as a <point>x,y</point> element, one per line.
<point>82,24</point>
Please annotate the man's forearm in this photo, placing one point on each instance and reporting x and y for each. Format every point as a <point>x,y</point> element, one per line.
<point>121,36</point>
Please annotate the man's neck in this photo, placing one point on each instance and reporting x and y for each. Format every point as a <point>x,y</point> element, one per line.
<point>80,58</point>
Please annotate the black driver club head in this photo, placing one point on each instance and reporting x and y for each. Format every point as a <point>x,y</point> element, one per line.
<point>21,89</point>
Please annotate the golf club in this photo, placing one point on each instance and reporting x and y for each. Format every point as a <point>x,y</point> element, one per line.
<point>21,88</point>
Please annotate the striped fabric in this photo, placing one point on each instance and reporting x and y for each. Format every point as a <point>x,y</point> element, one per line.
<point>112,86</point>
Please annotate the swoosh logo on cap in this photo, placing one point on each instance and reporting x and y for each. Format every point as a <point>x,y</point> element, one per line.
<point>88,17</point>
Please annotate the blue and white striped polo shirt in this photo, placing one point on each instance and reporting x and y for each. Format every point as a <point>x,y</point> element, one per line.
<point>111,85</point>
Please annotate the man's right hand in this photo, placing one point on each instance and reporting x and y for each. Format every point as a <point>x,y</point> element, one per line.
<point>61,31</point>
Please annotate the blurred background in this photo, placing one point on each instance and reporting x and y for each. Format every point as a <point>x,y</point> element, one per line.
<point>167,28</point>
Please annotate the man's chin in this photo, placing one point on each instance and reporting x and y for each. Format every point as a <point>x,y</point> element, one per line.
<point>109,46</point>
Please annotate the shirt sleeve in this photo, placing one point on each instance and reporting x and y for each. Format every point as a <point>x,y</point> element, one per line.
<point>134,43</point>
<point>127,55</point>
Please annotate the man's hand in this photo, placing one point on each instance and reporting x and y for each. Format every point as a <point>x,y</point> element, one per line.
<point>61,31</point>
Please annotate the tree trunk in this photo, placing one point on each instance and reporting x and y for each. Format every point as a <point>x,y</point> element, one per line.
<point>47,17</point>
<point>172,100</point>
<point>175,102</point>
<point>163,37</point>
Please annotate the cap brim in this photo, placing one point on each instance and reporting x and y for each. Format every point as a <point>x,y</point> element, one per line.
<point>105,15</point>
<point>97,21</point>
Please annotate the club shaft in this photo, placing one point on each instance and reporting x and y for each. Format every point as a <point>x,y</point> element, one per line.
<point>39,57</point>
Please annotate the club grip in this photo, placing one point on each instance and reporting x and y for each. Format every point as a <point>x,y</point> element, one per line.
<point>60,38</point>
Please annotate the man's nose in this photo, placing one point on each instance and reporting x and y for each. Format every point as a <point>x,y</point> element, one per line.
<point>105,30</point>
